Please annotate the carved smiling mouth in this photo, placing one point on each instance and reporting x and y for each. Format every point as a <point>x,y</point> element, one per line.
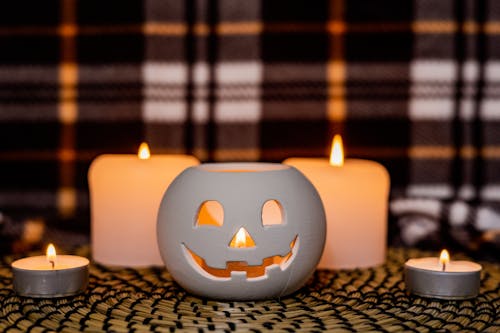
<point>252,271</point>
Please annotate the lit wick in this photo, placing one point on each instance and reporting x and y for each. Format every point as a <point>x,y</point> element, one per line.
<point>444,258</point>
<point>51,255</point>
<point>143,152</point>
<point>337,151</point>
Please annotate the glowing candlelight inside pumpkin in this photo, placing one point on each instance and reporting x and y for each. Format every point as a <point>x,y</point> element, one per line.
<point>444,259</point>
<point>337,152</point>
<point>242,239</point>
<point>143,152</point>
<point>51,255</point>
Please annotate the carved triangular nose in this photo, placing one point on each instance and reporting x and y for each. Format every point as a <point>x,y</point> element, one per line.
<point>242,239</point>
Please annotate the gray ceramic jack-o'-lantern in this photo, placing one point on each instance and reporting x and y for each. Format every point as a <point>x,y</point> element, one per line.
<point>241,231</point>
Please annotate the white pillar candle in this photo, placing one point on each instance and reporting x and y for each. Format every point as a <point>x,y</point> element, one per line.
<point>125,194</point>
<point>442,278</point>
<point>50,275</point>
<point>355,196</point>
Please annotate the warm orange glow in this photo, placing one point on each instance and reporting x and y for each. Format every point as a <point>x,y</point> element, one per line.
<point>337,152</point>
<point>210,213</point>
<point>444,259</point>
<point>242,266</point>
<point>242,239</point>
<point>143,152</point>
<point>51,254</point>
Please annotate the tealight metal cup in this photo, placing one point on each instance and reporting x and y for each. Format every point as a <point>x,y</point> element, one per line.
<point>49,283</point>
<point>442,285</point>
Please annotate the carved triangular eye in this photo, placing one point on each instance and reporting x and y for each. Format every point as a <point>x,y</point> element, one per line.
<point>272,213</point>
<point>210,213</point>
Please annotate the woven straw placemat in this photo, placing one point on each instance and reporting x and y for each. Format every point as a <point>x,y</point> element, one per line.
<point>146,300</point>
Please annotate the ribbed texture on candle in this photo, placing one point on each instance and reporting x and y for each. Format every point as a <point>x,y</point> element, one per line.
<point>147,300</point>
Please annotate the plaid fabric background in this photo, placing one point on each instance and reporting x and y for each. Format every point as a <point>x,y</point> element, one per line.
<point>412,84</point>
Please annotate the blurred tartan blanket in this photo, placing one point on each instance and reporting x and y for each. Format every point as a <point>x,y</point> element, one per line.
<point>411,84</point>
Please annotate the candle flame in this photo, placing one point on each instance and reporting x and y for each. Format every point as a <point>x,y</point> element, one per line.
<point>444,259</point>
<point>51,254</point>
<point>242,239</point>
<point>143,152</point>
<point>337,152</point>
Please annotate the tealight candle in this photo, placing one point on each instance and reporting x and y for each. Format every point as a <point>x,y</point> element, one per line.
<point>51,275</point>
<point>442,278</point>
